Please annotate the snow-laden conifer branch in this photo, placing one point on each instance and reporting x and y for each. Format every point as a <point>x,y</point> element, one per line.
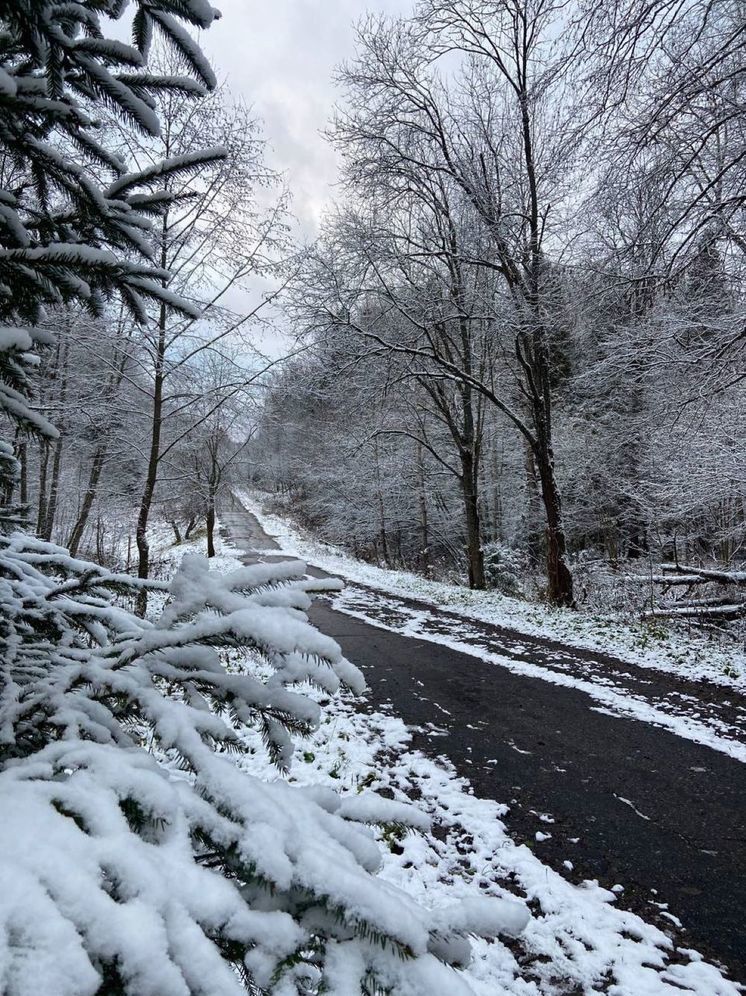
<point>168,167</point>
<point>162,870</point>
<point>57,59</point>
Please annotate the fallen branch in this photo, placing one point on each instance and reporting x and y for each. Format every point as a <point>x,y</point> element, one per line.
<point>678,574</point>
<point>729,611</point>
<point>666,579</point>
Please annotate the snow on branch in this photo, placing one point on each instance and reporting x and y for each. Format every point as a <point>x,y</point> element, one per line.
<point>167,167</point>
<point>725,605</point>
<point>157,864</point>
<point>61,219</point>
<point>674,572</point>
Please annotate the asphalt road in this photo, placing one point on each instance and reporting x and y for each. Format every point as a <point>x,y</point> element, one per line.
<point>631,803</point>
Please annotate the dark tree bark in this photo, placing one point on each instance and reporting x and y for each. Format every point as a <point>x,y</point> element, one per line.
<point>212,489</point>
<point>41,511</point>
<point>382,532</point>
<point>474,553</point>
<point>97,465</point>
<point>100,536</point>
<point>54,488</point>
<point>559,578</point>
<point>154,453</point>
<point>422,501</point>
<point>210,522</point>
<point>23,461</point>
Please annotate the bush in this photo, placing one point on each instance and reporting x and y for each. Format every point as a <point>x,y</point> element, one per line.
<point>504,568</point>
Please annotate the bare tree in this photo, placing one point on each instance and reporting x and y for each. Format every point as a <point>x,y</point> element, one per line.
<point>495,131</point>
<point>410,295</point>
<point>223,231</point>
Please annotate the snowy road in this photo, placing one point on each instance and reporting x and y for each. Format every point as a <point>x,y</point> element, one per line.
<point>590,785</point>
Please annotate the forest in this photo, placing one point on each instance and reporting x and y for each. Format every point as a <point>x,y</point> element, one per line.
<point>515,353</point>
<point>511,360</point>
<point>534,287</point>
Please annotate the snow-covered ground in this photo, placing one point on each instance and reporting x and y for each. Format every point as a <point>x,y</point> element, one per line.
<point>649,645</point>
<point>578,940</point>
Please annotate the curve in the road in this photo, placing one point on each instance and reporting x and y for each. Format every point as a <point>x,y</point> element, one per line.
<point>631,803</point>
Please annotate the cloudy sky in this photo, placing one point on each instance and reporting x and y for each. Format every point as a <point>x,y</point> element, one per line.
<point>280,55</point>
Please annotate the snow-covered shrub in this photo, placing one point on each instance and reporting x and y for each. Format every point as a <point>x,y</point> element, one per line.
<point>135,856</point>
<point>503,568</point>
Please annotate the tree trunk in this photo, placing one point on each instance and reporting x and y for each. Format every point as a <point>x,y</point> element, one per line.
<point>381,511</point>
<point>424,526</point>
<point>154,454</point>
<point>151,474</point>
<point>100,536</point>
<point>469,452</point>
<point>497,510</point>
<point>146,502</point>
<point>76,535</point>
<point>177,531</point>
<point>210,519</point>
<point>213,486</point>
<point>41,511</point>
<point>536,360</point>
<point>54,490</point>
<point>382,532</point>
<point>54,487</point>
<point>637,543</point>
<point>559,578</point>
<point>474,553</point>
<point>23,461</point>
<point>534,533</point>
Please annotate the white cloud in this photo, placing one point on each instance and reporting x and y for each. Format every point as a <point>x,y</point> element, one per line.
<point>280,57</point>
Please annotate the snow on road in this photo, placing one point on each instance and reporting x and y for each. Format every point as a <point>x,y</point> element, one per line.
<point>578,939</point>
<point>617,699</point>
<point>717,721</point>
<point>639,643</point>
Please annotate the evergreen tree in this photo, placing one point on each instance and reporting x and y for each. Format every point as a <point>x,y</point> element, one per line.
<point>64,236</point>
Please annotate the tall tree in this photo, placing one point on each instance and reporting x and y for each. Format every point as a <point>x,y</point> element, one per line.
<point>212,239</point>
<point>397,279</point>
<point>498,134</point>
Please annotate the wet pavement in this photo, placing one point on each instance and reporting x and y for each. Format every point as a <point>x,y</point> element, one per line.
<point>629,802</point>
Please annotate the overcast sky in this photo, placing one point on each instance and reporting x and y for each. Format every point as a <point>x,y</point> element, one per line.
<point>280,55</point>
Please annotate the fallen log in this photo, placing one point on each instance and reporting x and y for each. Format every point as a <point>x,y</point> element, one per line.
<point>667,579</point>
<point>732,610</point>
<point>720,603</point>
<point>686,574</point>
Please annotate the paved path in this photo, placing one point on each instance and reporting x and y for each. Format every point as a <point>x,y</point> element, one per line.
<point>661,815</point>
